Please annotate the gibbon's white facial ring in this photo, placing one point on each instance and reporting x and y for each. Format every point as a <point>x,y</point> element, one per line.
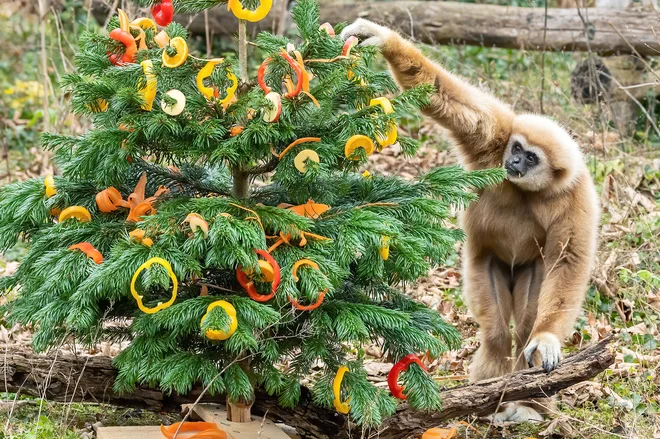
<point>526,165</point>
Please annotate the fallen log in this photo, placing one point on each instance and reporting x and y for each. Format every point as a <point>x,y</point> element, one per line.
<point>61,377</point>
<point>603,30</point>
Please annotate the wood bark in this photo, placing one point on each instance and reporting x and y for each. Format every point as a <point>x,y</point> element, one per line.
<point>65,378</point>
<point>440,22</point>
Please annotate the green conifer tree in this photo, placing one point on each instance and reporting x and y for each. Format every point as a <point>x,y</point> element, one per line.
<point>128,188</point>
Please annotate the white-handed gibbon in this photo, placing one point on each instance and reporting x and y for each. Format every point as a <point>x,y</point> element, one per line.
<point>531,240</point>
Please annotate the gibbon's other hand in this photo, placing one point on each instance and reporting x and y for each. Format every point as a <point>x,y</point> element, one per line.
<point>368,32</point>
<point>549,348</point>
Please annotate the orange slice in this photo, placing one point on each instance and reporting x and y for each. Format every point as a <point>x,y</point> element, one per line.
<point>181,47</point>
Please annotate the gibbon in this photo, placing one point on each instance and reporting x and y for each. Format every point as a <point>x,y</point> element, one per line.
<point>531,240</point>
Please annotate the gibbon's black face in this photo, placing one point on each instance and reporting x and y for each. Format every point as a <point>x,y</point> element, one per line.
<point>520,160</point>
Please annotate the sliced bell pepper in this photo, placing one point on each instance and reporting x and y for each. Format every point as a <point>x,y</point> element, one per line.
<point>89,250</point>
<point>401,366</point>
<point>130,47</point>
<point>261,73</point>
<point>207,430</point>
<point>175,285</point>
<point>145,23</point>
<point>322,294</point>
<point>204,73</point>
<point>384,249</point>
<point>77,212</point>
<point>109,199</point>
<point>148,93</point>
<point>246,14</point>
<point>392,134</point>
<point>294,144</point>
<point>246,283</point>
<point>215,334</point>
<point>341,407</point>
<point>123,20</point>
<point>197,221</point>
<point>310,209</point>
<point>140,236</point>
<point>163,12</point>
<point>49,184</point>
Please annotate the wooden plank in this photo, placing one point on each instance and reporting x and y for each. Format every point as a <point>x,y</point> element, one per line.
<point>259,427</point>
<point>150,432</point>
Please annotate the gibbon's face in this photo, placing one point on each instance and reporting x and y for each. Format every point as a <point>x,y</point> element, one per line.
<point>541,156</point>
<point>526,164</point>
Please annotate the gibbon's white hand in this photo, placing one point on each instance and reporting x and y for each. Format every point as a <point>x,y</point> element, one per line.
<point>368,32</point>
<point>549,348</point>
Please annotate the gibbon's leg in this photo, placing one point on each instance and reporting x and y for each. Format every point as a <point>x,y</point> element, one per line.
<point>486,285</point>
<point>527,283</point>
<point>479,122</point>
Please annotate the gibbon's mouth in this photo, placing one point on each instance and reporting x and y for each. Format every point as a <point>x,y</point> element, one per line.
<point>513,172</point>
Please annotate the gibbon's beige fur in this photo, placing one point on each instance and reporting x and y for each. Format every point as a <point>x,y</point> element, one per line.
<point>531,240</point>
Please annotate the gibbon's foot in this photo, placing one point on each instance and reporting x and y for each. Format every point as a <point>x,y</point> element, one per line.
<point>516,413</point>
<point>548,347</point>
<point>368,32</point>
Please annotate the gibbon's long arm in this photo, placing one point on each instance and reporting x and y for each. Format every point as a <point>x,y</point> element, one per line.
<point>479,122</point>
<point>567,255</point>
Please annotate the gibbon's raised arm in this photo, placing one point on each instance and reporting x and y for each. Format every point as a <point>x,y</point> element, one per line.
<point>478,121</point>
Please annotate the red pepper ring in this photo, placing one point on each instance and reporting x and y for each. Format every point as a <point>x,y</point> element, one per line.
<point>261,73</point>
<point>163,12</point>
<point>401,366</point>
<point>129,42</point>
<point>249,285</point>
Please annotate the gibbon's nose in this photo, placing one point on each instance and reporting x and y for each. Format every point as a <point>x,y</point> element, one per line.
<point>515,166</point>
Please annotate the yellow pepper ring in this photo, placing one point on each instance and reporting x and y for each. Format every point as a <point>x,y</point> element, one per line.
<point>148,93</point>
<point>245,14</point>
<point>231,90</point>
<point>384,249</point>
<point>123,20</point>
<point>49,183</point>
<point>204,73</point>
<point>341,407</point>
<point>145,23</point>
<point>214,334</point>
<point>392,135</point>
<point>77,212</point>
<point>175,285</point>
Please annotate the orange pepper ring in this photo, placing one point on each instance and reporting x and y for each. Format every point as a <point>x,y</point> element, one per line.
<point>89,250</point>
<point>296,143</point>
<point>249,285</point>
<point>175,285</point>
<point>322,294</point>
<point>209,430</point>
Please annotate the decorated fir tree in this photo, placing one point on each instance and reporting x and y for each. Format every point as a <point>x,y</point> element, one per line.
<point>222,223</point>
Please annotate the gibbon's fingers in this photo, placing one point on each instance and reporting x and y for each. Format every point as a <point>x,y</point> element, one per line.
<point>516,413</point>
<point>370,33</point>
<point>548,346</point>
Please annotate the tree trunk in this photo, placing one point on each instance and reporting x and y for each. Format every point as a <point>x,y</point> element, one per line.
<point>67,378</point>
<point>440,22</point>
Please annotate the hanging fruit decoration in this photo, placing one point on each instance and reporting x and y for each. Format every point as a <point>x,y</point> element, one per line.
<point>162,39</point>
<point>163,12</point>
<point>49,184</point>
<point>130,50</point>
<point>384,249</point>
<point>366,174</point>
<point>138,204</point>
<point>293,145</point>
<point>341,407</point>
<point>401,366</point>
<point>139,235</point>
<point>246,14</point>
<point>98,106</point>
<point>310,209</point>
<point>327,27</point>
<point>348,45</point>
<point>88,249</point>
<point>177,107</point>
<point>355,142</point>
<point>391,136</point>
<point>270,272</point>
<point>215,334</point>
<point>261,74</point>
<point>148,93</point>
<point>145,23</point>
<point>209,92</point>
<point>175,285</point>
<point>302,157</point>
<point>322,294</point>
<point>77,212</point>
<point>197,221</point>
<point>272,115</point>
<point>236,130</point>
<point>175,53</point>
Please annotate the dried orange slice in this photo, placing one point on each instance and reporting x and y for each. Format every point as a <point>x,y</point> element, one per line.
<point>302,157</point>
<point>77,212</point>
<point>358,141</point>
<point>181,47</point>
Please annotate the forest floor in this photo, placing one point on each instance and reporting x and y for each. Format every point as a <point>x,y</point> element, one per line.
<point>623,297</point>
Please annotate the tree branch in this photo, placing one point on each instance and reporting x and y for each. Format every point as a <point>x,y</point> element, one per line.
<point>26,372</point>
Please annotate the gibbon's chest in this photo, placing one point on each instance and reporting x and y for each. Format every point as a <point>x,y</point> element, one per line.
<point>503,222</point>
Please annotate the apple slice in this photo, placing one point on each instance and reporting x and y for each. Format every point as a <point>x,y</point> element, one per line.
<point>302,157</point>
<point>176,108</point>
<point>348,45</point>
<point>328,28</point>
<point>273,115</point>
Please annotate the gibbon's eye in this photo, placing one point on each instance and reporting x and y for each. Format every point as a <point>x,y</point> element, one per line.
<point>532,159</point>
<point>516,148</point>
